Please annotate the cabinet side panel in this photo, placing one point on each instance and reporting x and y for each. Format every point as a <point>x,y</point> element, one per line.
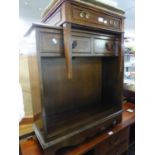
<point>34,77</point>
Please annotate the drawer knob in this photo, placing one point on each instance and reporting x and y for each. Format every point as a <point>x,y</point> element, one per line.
<point>82,14</point>
<point>87,15</point>
<point>74,44</point>
<point>109,46</point>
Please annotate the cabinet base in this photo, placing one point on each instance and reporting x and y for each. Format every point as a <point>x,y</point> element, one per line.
<point>79,135</point>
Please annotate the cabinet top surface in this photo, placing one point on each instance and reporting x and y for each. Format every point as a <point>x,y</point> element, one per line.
<point>59,28</point>
<point>41,25</point>
<point>91,4</point>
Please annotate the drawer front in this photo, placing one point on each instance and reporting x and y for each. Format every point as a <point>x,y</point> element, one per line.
<point>81,44</point>
<point>103,46</point>
<point>113,142</point>
<point>86,16</point>
<point>51,42</point>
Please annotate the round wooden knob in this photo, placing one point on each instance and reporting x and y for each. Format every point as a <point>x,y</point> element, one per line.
<point>109,46</point>
<point>87,15</point>
<point>82,14</point>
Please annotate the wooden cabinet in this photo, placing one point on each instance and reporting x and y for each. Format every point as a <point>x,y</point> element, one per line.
<point>80,68</point>
<point>81,13</point>
<point>73,109</point>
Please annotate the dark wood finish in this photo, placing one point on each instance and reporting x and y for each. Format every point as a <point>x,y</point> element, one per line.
<point>56,18</point>
<point>85,43</point>
<point>99,17</point>
<point>128,119</point>
<point>67,48</point>
<point>20,152</point>
<point>51,42</point>
<point>85,14</point>
<point>81,15</point>
<point>91,95</point>
<point>83,98</point>
<point>129,95</point>
<point>117,150</point>
<point>81,44</point>
<point>116,144</point>
<point>94,44</point>
<point>31,146</point>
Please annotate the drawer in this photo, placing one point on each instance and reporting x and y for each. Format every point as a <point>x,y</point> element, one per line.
<point>81,44</point>
<point>113,142</point>
<point>51,42</point>
<point>103,46</point>
<point>87,16</point>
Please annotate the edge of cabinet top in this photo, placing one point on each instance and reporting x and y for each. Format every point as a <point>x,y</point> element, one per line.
<point>48,26</point>
<point>94,5</point>
<point>40,25</point>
